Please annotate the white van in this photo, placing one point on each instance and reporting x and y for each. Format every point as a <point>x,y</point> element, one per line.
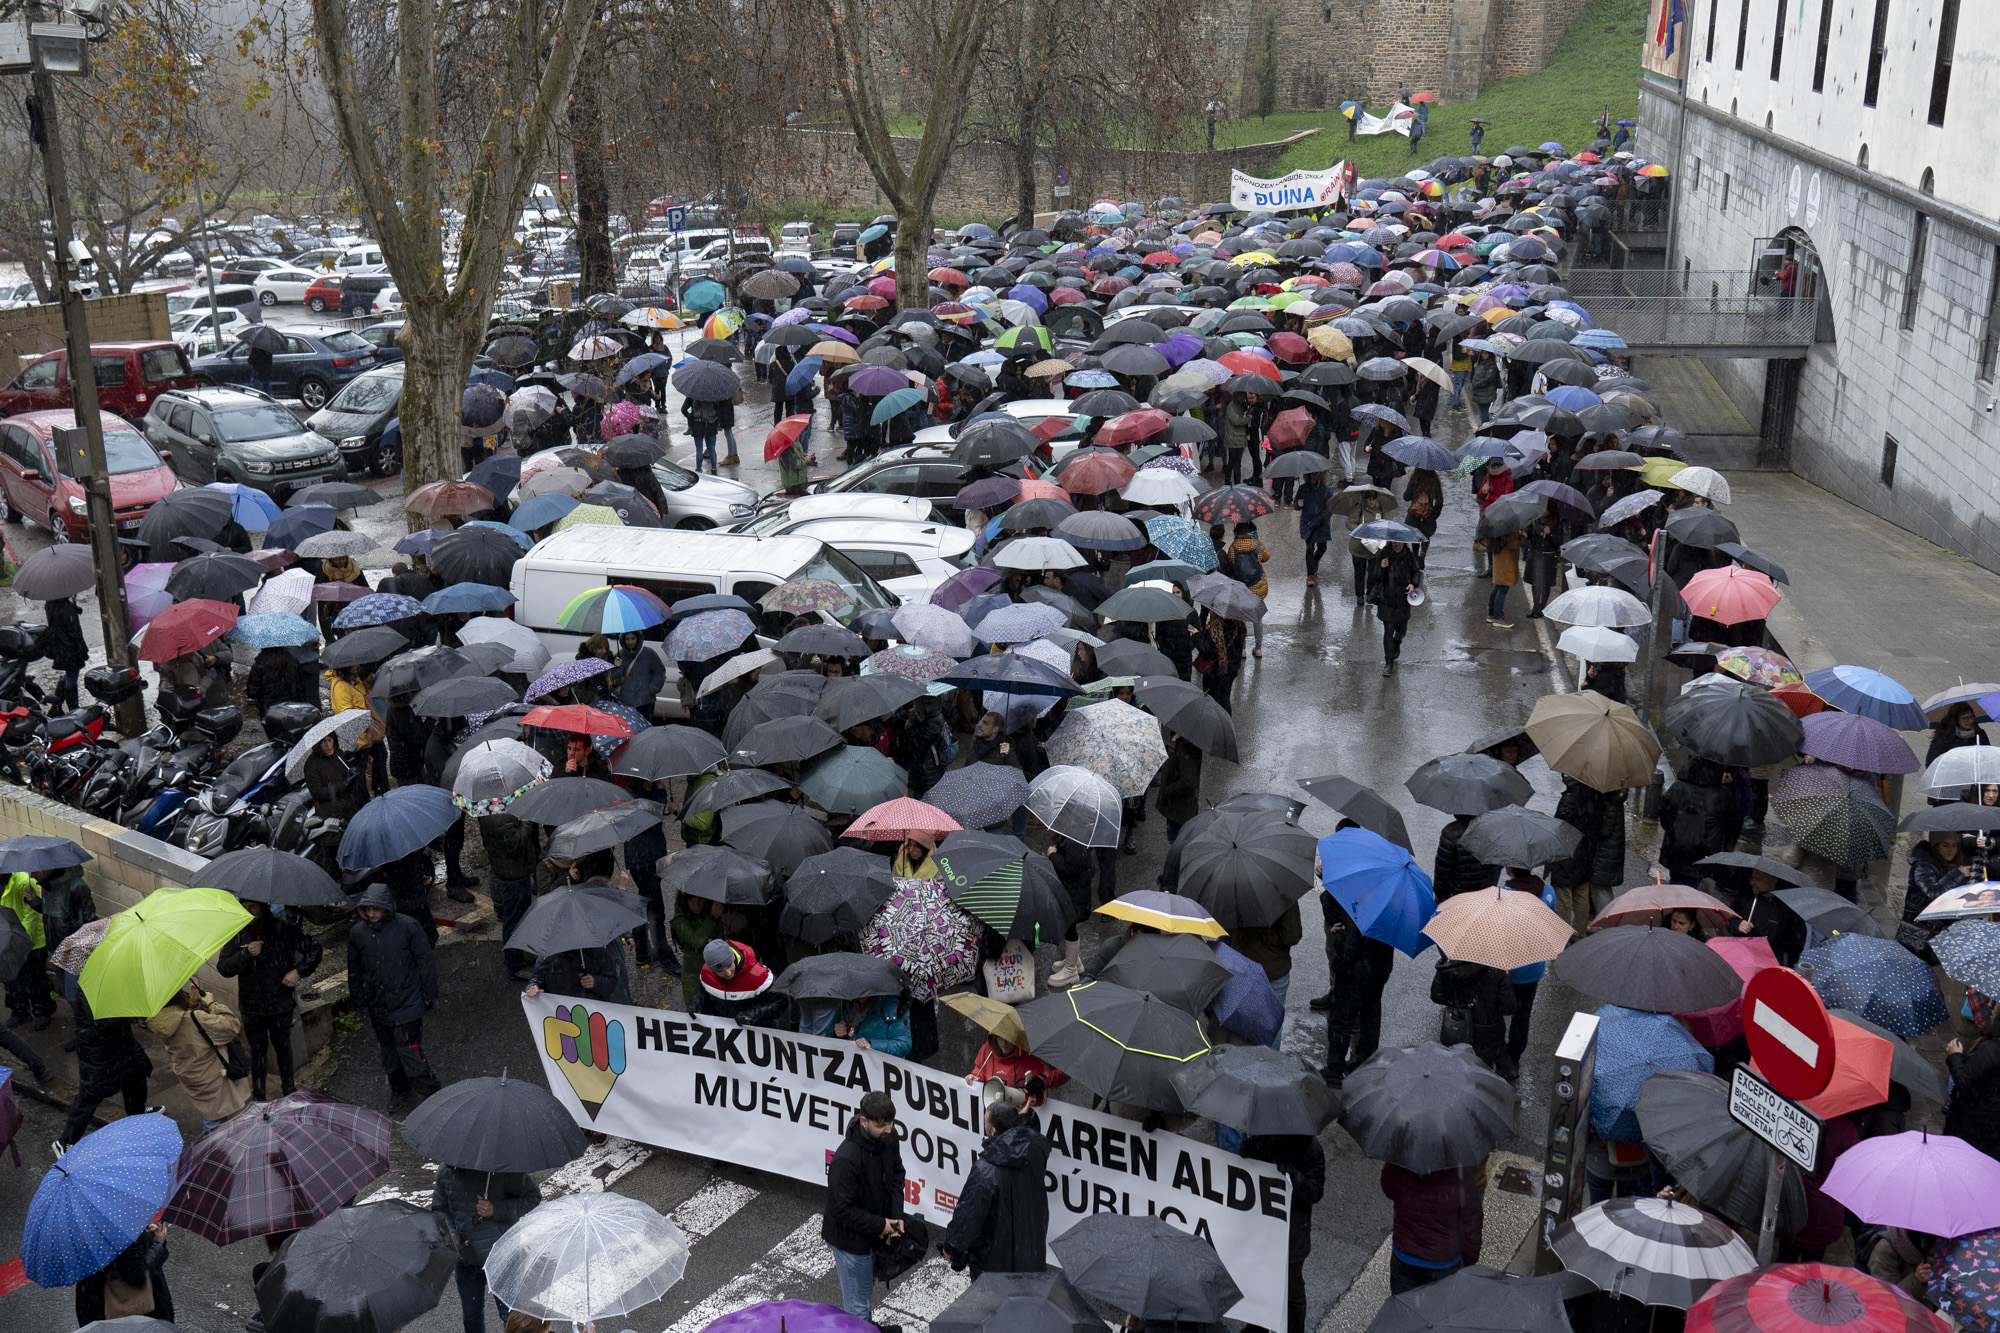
<point>367,255</point>
<point>674,564</point>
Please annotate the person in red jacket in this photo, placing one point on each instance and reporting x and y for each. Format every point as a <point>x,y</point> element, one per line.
<point>735,985</point>
<point>1002,1059</point>
<point>1439,1224</point>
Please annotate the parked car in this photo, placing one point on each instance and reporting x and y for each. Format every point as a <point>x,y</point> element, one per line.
<point>382,337</point>
<point>196,329</point>
<point>355,418</point>
<point>37,482</point>
<point>778,512</point>
<point>20,294</point>
<point>909,559</point>
<point>349,293</point>
<point>926,470</point>
<point>315,362</point>
<point>285,285</point>
<point>1030,412</point>
<point>243,436</point>
<point>699,500</point>
<point>129,375</point>
<point>248,270</point>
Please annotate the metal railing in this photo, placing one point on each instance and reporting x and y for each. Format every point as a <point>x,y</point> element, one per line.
<point>1705,309</point>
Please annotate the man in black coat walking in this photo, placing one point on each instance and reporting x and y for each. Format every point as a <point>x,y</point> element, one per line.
<point>392,975</point>
<point>864,1205</point>
<point>109,1062</point>
<point>1001,1224</point>
<point>270,957</point>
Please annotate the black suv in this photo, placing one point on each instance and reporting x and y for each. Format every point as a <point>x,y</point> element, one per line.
<point>239,435</point>
<point>356,417</point>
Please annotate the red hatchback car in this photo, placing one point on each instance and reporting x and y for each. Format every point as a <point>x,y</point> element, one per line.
<point>36,484</point>
<point>129,377</point>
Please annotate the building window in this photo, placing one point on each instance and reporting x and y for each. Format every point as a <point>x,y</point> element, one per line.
<point>1928,181</point>
<point>1862,160</point>
<point>1913,285</point>
<point>1878,50</point>
<point>1778,44</point>
<point>1742,31</point>
<point>1989,341</point>
<point>1694,176</point>
<point>1889,461</point>
<point>1715,7</point>
<point>1725,193</point>
<point>1825,39</point>
<point>1941,71</point>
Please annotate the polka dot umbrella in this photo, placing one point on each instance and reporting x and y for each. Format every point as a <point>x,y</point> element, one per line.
<point>98,1197</point>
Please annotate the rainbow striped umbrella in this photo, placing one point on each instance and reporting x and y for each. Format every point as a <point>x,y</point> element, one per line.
<point>618,608</point>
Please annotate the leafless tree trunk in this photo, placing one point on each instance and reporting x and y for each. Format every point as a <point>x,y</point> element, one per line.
<point>593,187</point>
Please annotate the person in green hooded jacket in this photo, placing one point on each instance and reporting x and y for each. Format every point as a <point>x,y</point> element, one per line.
<point>28,994</point>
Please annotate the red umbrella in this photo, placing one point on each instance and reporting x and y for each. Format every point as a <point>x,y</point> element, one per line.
<point>184,627</point>
<point>1800,699</point>
<point>448,497</point>
<point>1290,427</point>
<point>1290,348</point>
<point>1049,427</point>
<point>576,717</point>
<point>868,302</point>
<point>1067,296</point>
<point>1161,257</point>
<point>274,559</point>
<point>1454,241</point>
<point>1423,97</point>
<point>1724,1023</point>
<point>1809,1298</point>
<point>1110,285</point>
<point>950,275</point>
<point>1096,473</point>
<point>784,433</point>
<point>1132,427</point>
<point>1249,363</point>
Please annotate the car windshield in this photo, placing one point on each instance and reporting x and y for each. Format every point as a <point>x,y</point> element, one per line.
<point>770,522</point>
<point>346,342</point>
<point>241,425</point>
<point>367,393</point>
<point>673,476</point>
<point>125,450</point>
<point>834,567</point>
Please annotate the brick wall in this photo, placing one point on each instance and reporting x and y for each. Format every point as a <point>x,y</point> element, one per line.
<point>29,331</point>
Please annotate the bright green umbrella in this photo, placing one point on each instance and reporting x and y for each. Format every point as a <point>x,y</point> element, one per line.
<point>151,949</point>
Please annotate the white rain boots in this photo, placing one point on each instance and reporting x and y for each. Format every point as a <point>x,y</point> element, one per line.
<point>1070,970</point>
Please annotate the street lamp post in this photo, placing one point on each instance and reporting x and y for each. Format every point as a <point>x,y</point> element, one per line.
<point>70,261</point>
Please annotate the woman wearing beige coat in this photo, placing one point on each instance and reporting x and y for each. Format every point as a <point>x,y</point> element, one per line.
<point>195,1028</point>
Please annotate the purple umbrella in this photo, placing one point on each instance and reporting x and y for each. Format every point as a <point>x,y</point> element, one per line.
<point>1924,1182</point>
<point>986,493</point>
<point>962,587</point>
<point>146,593</point>
<point>790,1317</point>
<point>1857,742</point>
<point>708,634</point>
<point>835,331</point>
<point>1568,497</point>
<point>875,381</point>
<point>1247,1005</point>
<point>566,673</point>
<point>1180,348</point>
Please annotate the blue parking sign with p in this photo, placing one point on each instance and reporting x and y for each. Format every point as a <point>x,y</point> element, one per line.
<point>677,219</point>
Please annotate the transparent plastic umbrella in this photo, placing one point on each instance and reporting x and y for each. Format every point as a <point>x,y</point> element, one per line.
<point>586,1257</point>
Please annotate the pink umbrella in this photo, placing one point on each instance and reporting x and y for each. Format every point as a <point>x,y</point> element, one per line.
<point>883,286</point>
<point>1724,1023</point>
<point>146,593</point>
<point>1923,1182</point>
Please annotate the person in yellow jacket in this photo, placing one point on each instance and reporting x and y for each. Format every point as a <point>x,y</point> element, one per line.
<point>348,689</point>
<point>28,994</point>
<point>196,1028</point>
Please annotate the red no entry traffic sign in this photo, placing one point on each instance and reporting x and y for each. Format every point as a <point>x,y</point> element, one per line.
<point>1789,1032</point>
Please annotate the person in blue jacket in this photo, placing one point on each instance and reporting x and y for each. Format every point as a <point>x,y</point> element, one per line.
<point>876,1023</point>
<point>1525,979</point>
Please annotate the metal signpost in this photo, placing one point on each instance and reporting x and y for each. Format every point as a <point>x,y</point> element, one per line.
<point>1062,183</point>
<point>1569,1133</point>
<point>676,223</point>
<point>1790,1036</point>
<point>1786,1126</point>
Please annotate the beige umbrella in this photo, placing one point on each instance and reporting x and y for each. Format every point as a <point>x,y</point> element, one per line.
<point>1503,928</point>
<point>768,285</point>
<point>834,352</point>
<point>1430,370</point>
<point>1001,1020</point>
<point>1330,343</point>
<point>1599,743</point>
<point>1052,369</point>
<point>737,667</point>
<point>555,481</point>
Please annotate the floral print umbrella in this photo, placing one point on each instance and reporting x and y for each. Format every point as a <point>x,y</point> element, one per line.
<point>565,673</point>
<point>708,634</point>
<point>804,596</point>
<point>932,940</point>
<point>910,661</point>
<point>377,608</point>
<point>604,745</point>
<point>1759,666</point>
<point>1114,740</point>
<point>1183,540</point>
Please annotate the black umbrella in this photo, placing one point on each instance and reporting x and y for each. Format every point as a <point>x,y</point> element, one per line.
<point>715,351</point>
<point>1133,657</point>
<point>1254,1089</point>
<point>513,350</point>
<point>1362,805</point>
<point>263,338</point>
<point>1736,551</point>
<point>577,916</point>
<point>1019,1303</point>
<point>840,976</point>
<point>1492,741</point>
<point>366,1268</point>
<point>363,647</point>
<point>1105,403</point>
<point>339,494</point>
<point>997,879</point>
<point>1952,817</point>
<point>835,892</point>
<point>15,946</point>
<point>1122,1044</point>
<point>1200,720</point>
<point>765,704</point>
<point>560,800</point>
<point>706,381</point>
<point>1736,724</point>
<point>1651,968</point>
<point>1468,784</point>
<point>266,875</point>
<point>733,788</point>
<point>1519,837</point>
<point>824,640</point>
<point>476,555</point>
<point>462,696</point>
<point>602,829</point>
<point>672,751</point>
<point>1137,359</point>
<point>1684,1116</point>
<point>633,509</point>
<point>1247,867</point>
<point>1145,1267</point>
<point>1179,969</point>
<point>56,571</point>
<point>1699,526</point>
<point>721,874</point>
<point>1828,912</point>
<point>1044,511</point>
<point>852,700</point>
<point>409,672</point>
<point>195,512</point>
<point>494,1124</point>
<point>1482,1298</point>
<point>1427,1107</point>
<point>30,852</point>
<point>783,835</point>
<point>784,740</point>
<point>995,442</point>
<point>1778,870</point>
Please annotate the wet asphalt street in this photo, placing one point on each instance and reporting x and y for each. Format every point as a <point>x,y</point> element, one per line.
<point>1315,703</point>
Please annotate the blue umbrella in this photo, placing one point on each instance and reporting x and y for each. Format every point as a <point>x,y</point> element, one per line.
<point>895,404</point>
<point>1378,884</point>
<point>395,824</point>
<point>377,608</point>
<point>1421,451</point>
<point>295,525</point>
<point>1182,539</point>
<point>1599,338</point>
<point>269,629</point>
<point>979,795</point>
<point>419,542</point>
<point>708,601</point>
<point>1970,953</point>
<point>1878,979</point>
<point>604,745</point>
<point>541,511</point>
<point>98,1197</point>
<point>874,233</point>
<point>1012,673</point>
<point>803,373</point>
<point>1247,1005</point>
<point>1857,689</point>
<point>499,379</point>
<point>520,538</point>
<point>1631,1048</point>
<point>642,365</point>
<point>472,597</point>
<point>704,296</point>
<point>498,474</point>
<point>977,607</point>
<point>1573,397</point>
<point>1091,379</point>
<point>248,505</point>
<point>1017,622</point>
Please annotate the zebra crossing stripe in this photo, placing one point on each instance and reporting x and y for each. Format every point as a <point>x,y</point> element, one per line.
<point>800,1258</point>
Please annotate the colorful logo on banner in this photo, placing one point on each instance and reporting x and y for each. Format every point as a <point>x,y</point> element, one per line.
<point>589,1051</point>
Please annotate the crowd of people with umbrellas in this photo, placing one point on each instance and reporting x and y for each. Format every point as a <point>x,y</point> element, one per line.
<point>870,815</point>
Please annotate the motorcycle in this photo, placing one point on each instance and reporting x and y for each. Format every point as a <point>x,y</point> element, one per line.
<point>237,808</point>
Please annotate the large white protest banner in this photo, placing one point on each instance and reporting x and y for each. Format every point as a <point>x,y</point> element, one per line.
<point>1397,120</point>
<point>1298,189</point>
<point>781,1102</point>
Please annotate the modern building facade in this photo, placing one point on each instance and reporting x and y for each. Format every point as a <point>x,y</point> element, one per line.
<point>1841,149</point>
